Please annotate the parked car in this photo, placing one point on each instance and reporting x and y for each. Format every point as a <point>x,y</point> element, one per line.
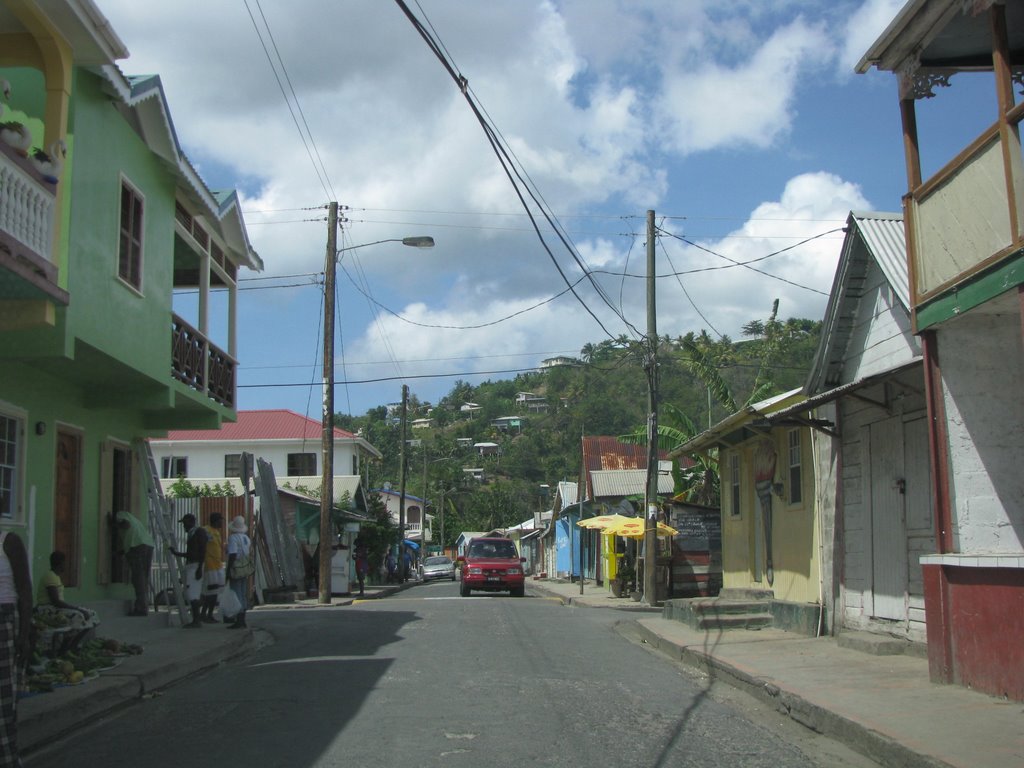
<point>437,567</point>
<point>492,564</point>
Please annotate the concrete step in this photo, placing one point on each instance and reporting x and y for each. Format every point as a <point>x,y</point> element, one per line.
<point>716,613</point>
<point>739,593</point>
<point>734,621</point>
<point>721,607</point>
<point>881,645</point>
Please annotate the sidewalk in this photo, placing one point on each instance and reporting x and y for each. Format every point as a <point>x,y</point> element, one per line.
<point>882,706</point>
<point>170,654</point>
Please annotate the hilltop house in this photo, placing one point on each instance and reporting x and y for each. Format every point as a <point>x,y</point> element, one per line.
<point>414,507</point>
<point>97,354</point>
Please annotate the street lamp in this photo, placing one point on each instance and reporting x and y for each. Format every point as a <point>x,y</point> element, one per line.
<point>327,437</point>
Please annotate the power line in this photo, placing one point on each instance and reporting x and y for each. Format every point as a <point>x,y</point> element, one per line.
<point>505,159</point>
<point>318,166</point>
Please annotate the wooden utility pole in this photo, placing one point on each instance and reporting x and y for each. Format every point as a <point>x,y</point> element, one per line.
<point>327,437</point>
<point>651,364</point>
<point>403,568</point>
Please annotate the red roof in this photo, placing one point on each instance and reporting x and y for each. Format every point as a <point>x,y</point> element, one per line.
<point>261,425</point>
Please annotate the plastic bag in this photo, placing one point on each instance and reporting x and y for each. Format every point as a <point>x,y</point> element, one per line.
<point>229,605</point>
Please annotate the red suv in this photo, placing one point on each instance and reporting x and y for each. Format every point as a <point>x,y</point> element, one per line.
<point>492,564</point>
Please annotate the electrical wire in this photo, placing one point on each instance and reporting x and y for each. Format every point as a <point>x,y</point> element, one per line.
<point>511,169</point>
<point>318,166</point>
<point>747,264</point>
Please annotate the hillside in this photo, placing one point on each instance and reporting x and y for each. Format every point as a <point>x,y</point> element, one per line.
<point>604,393</point>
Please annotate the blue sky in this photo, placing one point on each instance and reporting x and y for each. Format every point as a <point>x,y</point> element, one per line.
<point>741,124</point>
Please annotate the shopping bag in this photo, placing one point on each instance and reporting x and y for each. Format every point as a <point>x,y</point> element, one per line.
<point>229,605</point>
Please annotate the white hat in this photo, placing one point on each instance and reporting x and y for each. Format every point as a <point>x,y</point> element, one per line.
<point>238,525</point>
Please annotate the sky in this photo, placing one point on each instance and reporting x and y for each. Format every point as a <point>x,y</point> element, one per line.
<point>742,125</point>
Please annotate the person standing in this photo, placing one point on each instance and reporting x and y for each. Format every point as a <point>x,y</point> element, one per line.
<point>213,568</point>
<point>15,638</point>
<point>239,552</point>
<point>362,562</point>
<point>195,556</point>
<point>137,546</point>
<point>391,565</point>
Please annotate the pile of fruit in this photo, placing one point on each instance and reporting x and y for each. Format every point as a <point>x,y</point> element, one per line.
<point>93,656</point>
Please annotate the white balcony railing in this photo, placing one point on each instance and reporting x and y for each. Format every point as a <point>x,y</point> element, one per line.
<point>26,208</point>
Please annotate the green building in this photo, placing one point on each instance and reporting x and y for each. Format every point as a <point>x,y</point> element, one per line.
<point>118,290</point>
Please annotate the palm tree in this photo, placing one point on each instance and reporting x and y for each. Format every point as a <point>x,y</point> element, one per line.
<point>697,483</point>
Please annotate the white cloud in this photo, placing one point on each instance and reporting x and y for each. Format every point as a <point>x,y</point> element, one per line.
<point>713,105</point>
<point>863,27</point>
<point>604,102</point>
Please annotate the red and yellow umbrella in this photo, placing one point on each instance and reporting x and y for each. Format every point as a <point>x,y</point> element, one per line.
<point>634,527</point>
<point>601,522</point>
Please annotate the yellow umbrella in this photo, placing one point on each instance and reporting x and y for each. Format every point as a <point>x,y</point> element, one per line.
<point>603,521</point>
<point>633,528</point>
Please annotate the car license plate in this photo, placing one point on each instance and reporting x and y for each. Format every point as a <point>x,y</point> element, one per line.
<point>494,578</point>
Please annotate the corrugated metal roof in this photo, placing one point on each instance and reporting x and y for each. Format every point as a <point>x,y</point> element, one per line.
<point>568,493</point>
<point>603,452</point>
<point>626,482</point>
<point>261,425</point>
<point>713,436</point>
<point>870,238</point>
<point>884,236</point>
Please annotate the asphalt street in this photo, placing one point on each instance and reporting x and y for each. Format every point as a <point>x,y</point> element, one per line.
<point>426,677</point>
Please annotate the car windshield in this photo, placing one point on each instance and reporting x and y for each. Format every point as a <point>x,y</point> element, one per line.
<point>496,549</point>
<point>437,561</point>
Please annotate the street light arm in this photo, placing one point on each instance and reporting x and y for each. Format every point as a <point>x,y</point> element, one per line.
<point>415,242</point>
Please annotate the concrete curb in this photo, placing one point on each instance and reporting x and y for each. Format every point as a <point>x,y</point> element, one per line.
<point>864,740</point>
<point>585,601</point>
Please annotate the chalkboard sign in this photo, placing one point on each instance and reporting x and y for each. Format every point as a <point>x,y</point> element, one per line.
<point>700,529</point>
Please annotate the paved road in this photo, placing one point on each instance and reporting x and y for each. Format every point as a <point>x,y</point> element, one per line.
<point>427,678</point>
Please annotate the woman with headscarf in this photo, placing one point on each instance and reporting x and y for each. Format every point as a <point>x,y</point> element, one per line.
<point>239,558</point>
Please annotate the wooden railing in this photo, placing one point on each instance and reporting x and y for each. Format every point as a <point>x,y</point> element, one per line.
<point>200,364</point>
<point>969,214</point>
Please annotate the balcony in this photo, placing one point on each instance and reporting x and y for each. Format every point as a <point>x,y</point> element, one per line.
<point>202,365</point>
<point>27,205</point>
<point>962,220</point>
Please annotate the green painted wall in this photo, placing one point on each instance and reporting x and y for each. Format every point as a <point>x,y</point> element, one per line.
<point>109,332</point>
<point>106,313</point>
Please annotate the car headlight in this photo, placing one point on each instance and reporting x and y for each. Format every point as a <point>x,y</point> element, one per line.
<point>476,571</point>
<point>514,571</point>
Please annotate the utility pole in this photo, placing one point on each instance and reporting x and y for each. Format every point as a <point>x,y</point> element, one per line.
<point>442,519</point>
<point>327,438</point>
<point>651,363</point>
<point>423,506</point>
<point>403,569</point>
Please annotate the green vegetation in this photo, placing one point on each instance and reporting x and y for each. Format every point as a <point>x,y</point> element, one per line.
<point>701,381</point>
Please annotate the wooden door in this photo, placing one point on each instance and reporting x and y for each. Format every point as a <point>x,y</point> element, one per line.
<point>887,485</point>
<point>67,506</point>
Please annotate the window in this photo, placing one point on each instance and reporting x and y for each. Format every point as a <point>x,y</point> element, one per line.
<point>734,485</point>
<point>300,464</point>
<point>232,465</point>
<point>795,468</point>
<point>129,252</point>
<point>173,467</point>
<point>11,440</point>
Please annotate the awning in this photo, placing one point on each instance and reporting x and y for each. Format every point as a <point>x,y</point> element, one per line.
<point>836,392</point>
